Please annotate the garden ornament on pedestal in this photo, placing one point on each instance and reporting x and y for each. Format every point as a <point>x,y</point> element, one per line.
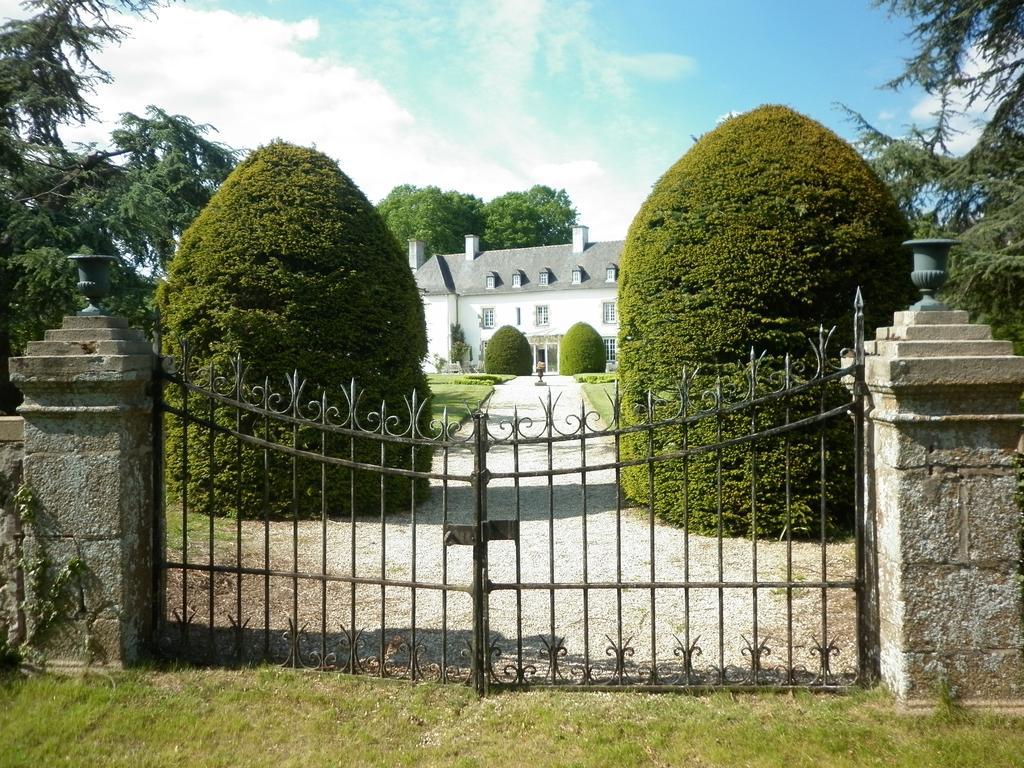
<point>93,280</point>
<point>930,259</point>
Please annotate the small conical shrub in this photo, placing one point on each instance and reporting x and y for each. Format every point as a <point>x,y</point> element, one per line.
<point>508,352</point>
<point>581,351</point>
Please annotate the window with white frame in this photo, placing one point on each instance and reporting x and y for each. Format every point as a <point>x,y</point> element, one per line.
<point>608,313</point>
<point>609,348</point>
<point>611,274</point>
<point>545,276</point>
<point>577,276</point>
<point>490,282</point>
<point>517,279</point>
<point>540,315</point>
<point>487,317</point>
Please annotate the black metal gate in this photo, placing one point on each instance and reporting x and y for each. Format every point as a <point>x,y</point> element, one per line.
<point>311,531</point>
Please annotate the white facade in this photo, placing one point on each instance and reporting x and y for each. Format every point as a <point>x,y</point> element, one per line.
<point>541,291</point>
<point>564,309</point>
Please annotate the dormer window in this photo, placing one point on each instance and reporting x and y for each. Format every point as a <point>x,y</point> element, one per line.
<point>577,275</point>
<point>545,276</point>
<point>611,274</point>
<point>517,279</point>
<point>492,280</point>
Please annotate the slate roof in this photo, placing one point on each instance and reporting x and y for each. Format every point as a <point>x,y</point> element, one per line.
<point>451,273</point>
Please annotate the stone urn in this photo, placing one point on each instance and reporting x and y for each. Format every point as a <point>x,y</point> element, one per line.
<point>930,261</point>
<point>93,279</point>
<point>540,374</point>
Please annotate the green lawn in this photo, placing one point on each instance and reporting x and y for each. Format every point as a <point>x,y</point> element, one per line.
<point>270,717</point>
<point>460,399</point>
<point>599,398</point>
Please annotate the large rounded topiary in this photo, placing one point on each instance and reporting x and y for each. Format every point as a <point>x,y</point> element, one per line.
<point>581,351</point>
<point>291,266</point>
<point>508,352</point>
<point>763,230</point>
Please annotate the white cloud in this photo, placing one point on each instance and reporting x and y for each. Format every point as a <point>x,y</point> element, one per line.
<point>253,78</point>
<point>886,115</point>
<point>655,66</point>
<point>967,126</point>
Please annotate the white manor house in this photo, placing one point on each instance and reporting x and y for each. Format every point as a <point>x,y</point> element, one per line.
<point>541,291</point>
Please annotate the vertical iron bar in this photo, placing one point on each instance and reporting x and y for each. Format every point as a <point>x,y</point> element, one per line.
<point>823,507</point>
<point>184,493</point>
<point>618,517</point>
<point>238,511</point>
<point>444,548</point>
<point>413,669</point>
<point>787,383</point>
<point>383,540</point>
<point>266,519</point>
<point>323,529</point>
<point>480,476</point>
<point>295,524</point>
<point>586,571</point>
<point>549,431</point>
<point>721,554</point>
<point>687,660</point>
<point>753,513</point>
<point>210,495</point>
<point>352,422</point>
<point>159,501</point>
<point>653,677</point>
<point>520,671</point>
<point>864,523</point>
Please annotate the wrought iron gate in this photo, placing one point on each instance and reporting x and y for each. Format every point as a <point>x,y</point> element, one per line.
<point>309,530</point>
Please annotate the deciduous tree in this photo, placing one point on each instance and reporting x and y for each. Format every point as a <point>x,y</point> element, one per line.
<point>539,216</point>
<point>440,219</point>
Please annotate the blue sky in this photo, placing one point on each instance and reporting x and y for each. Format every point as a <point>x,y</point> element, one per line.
<point>597,97</point>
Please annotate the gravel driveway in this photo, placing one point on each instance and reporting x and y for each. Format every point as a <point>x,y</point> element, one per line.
<point>600,634</point>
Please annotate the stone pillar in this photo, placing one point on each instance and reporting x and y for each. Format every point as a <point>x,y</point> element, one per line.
<point>944,419</point>
<point>88,466</point>
<point>12,618</point>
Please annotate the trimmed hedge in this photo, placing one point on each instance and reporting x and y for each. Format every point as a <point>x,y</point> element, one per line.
<point>597,378</point>
<point>291,266</point>
<point>508,351</point>
<point>581,351</point>
<point>763,230</point>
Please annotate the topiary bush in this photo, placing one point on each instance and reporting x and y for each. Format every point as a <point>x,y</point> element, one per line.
<point>581,351</point>
<point>291,266</point>
<point>763,230</point>
<point>508,351</point>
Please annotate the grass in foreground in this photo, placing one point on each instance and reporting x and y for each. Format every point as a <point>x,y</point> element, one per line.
<point>271,717</point>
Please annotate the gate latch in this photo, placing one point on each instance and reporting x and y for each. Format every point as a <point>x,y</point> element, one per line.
<point>494,530</point>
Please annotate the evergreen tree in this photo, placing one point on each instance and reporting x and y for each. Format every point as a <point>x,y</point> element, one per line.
<point>970,58</point>
<point>132,197</point>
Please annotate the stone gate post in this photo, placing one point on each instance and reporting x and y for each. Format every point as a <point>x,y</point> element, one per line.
<point>88,444</point>
<point>944,419</point>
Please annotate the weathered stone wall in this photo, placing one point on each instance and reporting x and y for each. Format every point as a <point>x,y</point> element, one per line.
<point>946,424</point>
<point>88,465</point>
<point>11,454</point>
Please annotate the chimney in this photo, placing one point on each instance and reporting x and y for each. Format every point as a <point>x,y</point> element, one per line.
<point>417,254</point>
<point>472,246</point>
<point>579,238</point>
